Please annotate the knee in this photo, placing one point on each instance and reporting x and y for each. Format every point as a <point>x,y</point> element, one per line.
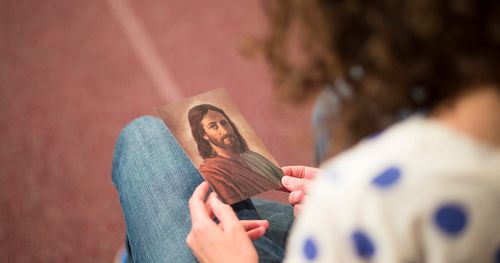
<point>146,153</point>
<point>141,126</point>
<point>132,141</point>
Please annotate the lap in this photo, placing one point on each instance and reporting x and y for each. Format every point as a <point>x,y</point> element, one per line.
<point>280,217</point>
<point>155,179</point>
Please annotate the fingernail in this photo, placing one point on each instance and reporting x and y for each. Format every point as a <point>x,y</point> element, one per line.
<point>285,179</point>
<point>295,196</point>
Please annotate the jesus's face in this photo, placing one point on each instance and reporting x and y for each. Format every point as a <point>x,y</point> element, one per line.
<point>219,132</point>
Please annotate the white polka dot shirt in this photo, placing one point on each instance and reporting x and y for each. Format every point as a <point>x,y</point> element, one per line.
<point>418,192</point>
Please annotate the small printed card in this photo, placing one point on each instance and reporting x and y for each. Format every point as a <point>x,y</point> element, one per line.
<point>222,145</point>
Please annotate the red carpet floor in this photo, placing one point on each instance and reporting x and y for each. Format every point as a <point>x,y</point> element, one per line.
<point>73,73</point>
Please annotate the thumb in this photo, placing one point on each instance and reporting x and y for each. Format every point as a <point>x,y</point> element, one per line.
<point>256,233</point>
<point>294,184</point>
<point>225,214</point>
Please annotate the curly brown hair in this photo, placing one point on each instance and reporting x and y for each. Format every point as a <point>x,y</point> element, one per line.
<point>395,55</point>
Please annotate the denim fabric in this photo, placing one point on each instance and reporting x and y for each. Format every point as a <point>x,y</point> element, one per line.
<point>155,179</point>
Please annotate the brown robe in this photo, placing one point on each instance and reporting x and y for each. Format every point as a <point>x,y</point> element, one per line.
<point>234,181</point>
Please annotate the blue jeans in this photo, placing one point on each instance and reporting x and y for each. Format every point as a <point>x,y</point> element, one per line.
<point>155,179</point>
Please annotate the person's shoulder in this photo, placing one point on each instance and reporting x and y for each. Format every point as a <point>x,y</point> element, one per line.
<point>402,140</point>
<point>417,148</point>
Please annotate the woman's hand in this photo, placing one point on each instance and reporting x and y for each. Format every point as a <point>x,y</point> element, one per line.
<point>229,241</point>
<point>295,181</point>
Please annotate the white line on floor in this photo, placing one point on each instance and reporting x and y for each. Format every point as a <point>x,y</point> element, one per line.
<point>145,49</point>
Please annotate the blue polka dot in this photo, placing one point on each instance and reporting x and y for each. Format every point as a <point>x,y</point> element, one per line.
<point>497,256</point>
<point>451,219</point>
<point>363,245</point>
<point>387,178</point>
<point>310,249</point>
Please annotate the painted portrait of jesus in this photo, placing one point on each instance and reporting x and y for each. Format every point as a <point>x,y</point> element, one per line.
<point>233,170</point>
<point>222,145</point>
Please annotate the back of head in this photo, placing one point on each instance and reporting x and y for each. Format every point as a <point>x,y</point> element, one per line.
<point>396,56</point>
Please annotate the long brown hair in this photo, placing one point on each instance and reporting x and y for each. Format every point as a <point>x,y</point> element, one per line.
<point>396,56</point>
<point>195,115</point>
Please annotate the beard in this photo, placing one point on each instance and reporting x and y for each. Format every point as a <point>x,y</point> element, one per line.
<point>227,142</point>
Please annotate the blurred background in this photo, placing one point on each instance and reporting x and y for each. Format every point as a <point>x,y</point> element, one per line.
<point>73,73</point>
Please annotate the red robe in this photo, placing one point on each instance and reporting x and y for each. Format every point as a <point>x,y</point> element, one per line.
<point>232,180</point>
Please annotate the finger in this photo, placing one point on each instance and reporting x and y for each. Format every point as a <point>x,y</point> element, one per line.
<point>225,214</point>
<point>256,233</point>
<point>294,170</point>
<point>252,224</point>
<point>296,209</point>
<point>294,184</point>
<point>300,171</point>
<point>208,206</point>
<point>197,207</point>
<point>296,197</point>
<point>287,171</point>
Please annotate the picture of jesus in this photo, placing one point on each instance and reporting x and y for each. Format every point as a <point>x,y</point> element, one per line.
<point>233,170</point>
